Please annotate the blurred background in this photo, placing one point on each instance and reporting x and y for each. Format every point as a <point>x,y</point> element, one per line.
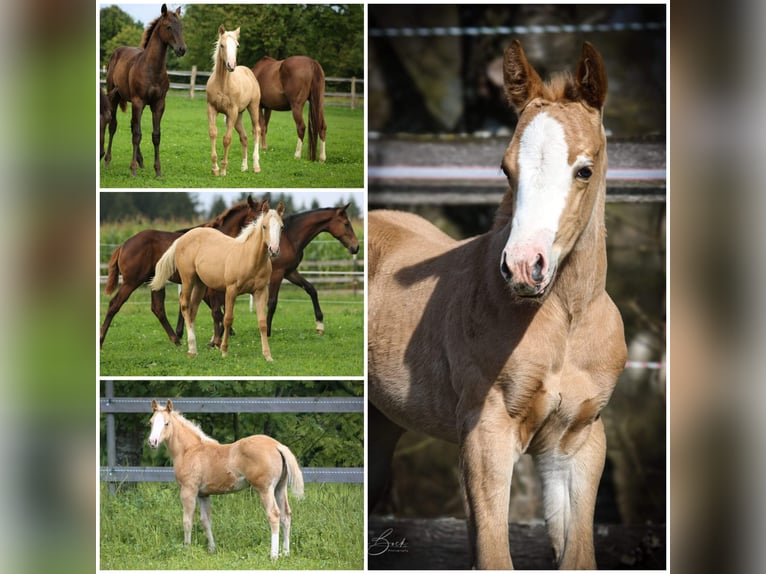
<point>437,106</point>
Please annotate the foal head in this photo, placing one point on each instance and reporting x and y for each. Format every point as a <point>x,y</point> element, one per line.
<point>555,165</point>
<point>160,423</point>
<point>226,48</point>
<point>271,222</point>
<point>170,30</point>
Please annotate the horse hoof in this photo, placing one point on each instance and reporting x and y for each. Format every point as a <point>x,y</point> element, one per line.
<point>256,170</point>
<point>269,359</point>
<point>191,355</point>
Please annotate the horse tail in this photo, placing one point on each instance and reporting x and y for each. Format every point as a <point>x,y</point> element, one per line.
<point>316,108</point>
<point>294,474</point>
<point>114,274</point>
<point>165,268</point>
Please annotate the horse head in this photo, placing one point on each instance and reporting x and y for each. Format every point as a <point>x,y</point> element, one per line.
<point>555,165</point>
<point>227,45</point>
<point>160,423</point>
<point>170,29</point>
<point>341,229</point>
<point>271,220</point>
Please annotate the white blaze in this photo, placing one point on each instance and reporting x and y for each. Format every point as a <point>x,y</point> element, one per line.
<point>158,425</point>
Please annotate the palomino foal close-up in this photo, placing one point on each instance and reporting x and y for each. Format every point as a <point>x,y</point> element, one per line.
<point>203,466</point>
<point>507,343</point>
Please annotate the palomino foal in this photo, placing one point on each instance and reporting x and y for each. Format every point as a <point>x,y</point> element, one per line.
<point>203,466</point>
<point>508,342</point>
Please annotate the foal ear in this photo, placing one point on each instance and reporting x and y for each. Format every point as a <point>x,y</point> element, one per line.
<point>164,10</point>
<point>221,30</point>
<point>168,406</point>
<point>590,77</point>
<point>236,33</point>
<point>254,205</point>
<point>178,11</point>
<point>155,406</point>
<point>280,208</point>
<point>265,206</point>
<point>522,82</point>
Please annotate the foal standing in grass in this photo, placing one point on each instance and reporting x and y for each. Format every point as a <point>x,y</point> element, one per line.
<point>203,466</point>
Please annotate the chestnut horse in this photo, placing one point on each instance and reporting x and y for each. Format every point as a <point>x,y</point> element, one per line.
<point>286,85</point>
<point>508,343</point>
<point>136,257</point>
<point>231,90</point>
<point>206,258</point>
<point>140,76</point>
<point>203,466</point>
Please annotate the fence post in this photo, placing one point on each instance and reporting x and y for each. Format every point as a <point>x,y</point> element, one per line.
<point>353,91</point>
<point>111,446</point>
<point>192,81</point>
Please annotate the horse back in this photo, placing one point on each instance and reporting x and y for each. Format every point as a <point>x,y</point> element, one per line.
<point>258,458</point>
<point>118,74</point>
<point>267,73</point>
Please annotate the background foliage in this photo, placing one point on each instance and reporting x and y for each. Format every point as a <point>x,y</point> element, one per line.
<point>332,34</point>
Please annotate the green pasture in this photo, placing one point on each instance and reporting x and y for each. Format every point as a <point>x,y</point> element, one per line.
<point>141,528</point>
<point>185,151</point>
<point>136,344</point>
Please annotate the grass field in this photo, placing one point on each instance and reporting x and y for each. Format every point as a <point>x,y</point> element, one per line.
<point>136,344</point>
<point>141,528</point>
<point>185,151</point>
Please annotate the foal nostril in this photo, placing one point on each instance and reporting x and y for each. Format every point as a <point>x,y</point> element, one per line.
<point>538,267</point>
<point>504,269</point>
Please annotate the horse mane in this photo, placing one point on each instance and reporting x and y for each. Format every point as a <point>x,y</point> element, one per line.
<point>218,220</point>
<point>148,32</point>
<point>249,229</point>
<point>192,426</point>
<point>297,216</point>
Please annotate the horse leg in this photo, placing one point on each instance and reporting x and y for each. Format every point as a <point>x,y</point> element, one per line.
<point>212,130</point>
<point>135,129</point>
<point>264,122</point>
<point>273,514</point>
<point>115,304</point>
<point>112,129</point>
<point>228,318</point>
<point>188,502</point>
<point>570,478</point>
<point>298,279</point>
<point>274,284</point>
<point>260,297</point>
<point>158,108</point>
<point>239,126</point>
<point>231,119</point>
<point>205,520</point>
<point>487,456</point>
<point>255,120</point>
<point>300,127</point>
<point>197,292</point>
<point>158,308</point>
<point>285,515</point>
<point>383,436</point>
<point>213,299</point>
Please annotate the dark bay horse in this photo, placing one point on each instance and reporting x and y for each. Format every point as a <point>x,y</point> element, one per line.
<point>300,229</point>
<point>507,342</point>
<point>140,76</point>
<point>203,466</point>
<point>136,257</point>
<point>286,85</point>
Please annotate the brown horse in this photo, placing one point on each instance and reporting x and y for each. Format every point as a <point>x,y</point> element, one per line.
<point>105,116</point>
<point>286,85</point>
<point>231,90</point>
<point>205,258</point>
<point>203,466</point>
<point>136,257</point>
<point>508,342</point>
<point>140,76</point>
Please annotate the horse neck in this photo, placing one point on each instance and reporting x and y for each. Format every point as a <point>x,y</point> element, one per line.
<point>156,51</point>
<point>220,73</point>
<point>231,223</point>
<point>582,274</point>
<point>304,227</point>
<point>182,437</point>
<point>254,245</point>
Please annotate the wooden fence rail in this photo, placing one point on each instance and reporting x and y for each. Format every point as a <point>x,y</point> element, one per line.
<point>194,81</point>
<point>110,405</point>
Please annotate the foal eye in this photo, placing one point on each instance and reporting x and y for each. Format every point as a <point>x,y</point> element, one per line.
<point>584,173</point>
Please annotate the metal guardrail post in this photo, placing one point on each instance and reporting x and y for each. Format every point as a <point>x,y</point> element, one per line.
<point>111,443</point>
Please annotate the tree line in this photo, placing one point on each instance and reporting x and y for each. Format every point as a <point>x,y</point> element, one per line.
<point>184,206</point>
<point>332,34</point>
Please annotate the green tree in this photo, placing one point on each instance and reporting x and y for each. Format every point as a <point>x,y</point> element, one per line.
<point>114,23</point>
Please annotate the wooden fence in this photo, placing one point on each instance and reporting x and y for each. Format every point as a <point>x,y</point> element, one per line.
<point>194,81</point>
<point>110,405</point>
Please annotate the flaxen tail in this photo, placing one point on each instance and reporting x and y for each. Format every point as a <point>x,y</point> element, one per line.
<point>165,268</point>
<point>114,273</point>
<point>294,474</point>
<point>316,110</point>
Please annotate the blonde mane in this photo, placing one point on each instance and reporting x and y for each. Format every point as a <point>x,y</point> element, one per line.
<point>249,229</point>
<point>192,426</point>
